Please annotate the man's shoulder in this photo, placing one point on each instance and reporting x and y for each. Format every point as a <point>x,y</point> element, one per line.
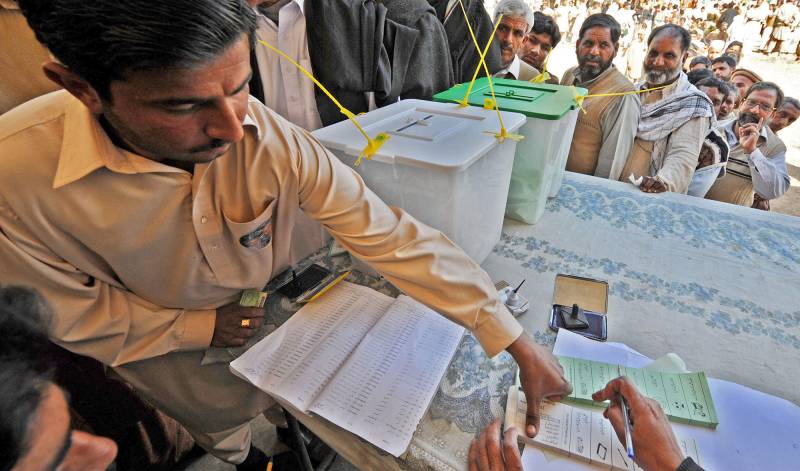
<point>30,141</point>
<point>618,82</point>
<point>31,114</point>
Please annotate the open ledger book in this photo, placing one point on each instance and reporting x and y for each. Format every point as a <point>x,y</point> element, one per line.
<point>365,361</point>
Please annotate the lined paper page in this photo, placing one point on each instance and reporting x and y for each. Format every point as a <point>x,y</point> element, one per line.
<point>685,397</point>
<point>297,360</point>
<point>385,387</point>
<point>583,434</point>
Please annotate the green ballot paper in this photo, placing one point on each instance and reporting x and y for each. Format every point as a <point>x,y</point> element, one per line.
<point>685,397</point>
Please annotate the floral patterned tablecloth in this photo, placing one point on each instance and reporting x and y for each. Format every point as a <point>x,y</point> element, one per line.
<point>715,283</point>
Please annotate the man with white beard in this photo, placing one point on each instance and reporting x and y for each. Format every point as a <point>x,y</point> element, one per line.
<point>675,118</point>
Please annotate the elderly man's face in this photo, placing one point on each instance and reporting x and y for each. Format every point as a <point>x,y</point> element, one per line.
<point>536,49</point>
<point>595,51</point>
<point>722,70</point>
<point>511,34</point>
<point>741,83</point>
<point>760,104</point>
<point>662,64</point>
<point>784,117</point>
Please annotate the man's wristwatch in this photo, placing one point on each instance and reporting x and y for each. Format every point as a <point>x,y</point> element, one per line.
<point>689,465</point>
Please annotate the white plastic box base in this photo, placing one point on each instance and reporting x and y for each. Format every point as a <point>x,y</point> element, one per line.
<point>539,165</point>
<point>466,206</point>
<point>466,201</point>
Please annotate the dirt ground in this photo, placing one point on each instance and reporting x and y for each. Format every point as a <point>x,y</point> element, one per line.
<point>780,70</point>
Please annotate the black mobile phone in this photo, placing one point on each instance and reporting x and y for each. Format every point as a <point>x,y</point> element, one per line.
<point>596,328</point>
<point>307,279</point>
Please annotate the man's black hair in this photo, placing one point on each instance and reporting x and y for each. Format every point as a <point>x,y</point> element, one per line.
<point>700,60</point>
<point>791,101</point>
<point>673,31</point>
<point>601,20</point>
<point>103,40</point>
<point>713,82</point>
<point>726,59</point>
<point>767,86</point>
<point>24,372</point>
<point>699,75</point>
<point>544,24</point>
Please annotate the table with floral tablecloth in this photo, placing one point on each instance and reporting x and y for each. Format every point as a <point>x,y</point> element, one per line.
<point>717,284</point>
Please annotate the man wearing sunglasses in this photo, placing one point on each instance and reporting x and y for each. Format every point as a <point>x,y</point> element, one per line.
<point>756,170</point>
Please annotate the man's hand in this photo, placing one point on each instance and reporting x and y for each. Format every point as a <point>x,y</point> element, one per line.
<point>760,203</point>
<point>654,443</point>
<point>541,375</point>
<point>748,136</point>
<point>235,324</point>
<point>652,185</point>
<point>488,453</point>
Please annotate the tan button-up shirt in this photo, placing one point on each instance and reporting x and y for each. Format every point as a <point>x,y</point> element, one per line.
<point>135,255</point>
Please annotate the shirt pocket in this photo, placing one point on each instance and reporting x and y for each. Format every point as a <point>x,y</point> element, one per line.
<point>250,248</point>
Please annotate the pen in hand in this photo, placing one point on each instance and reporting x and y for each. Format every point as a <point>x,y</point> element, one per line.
<point>626,420</point>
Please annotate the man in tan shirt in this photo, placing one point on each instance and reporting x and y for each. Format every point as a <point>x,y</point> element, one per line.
<point>145,197</point>
<point>605,131</point>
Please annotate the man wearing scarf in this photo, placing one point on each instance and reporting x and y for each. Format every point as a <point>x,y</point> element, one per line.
<point>675,118</point>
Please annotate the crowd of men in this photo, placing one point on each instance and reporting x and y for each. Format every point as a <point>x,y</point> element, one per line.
<point>141,198</point>
<point>681,120</point>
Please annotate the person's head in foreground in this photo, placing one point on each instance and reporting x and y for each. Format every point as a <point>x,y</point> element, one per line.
<point>700,62</point>
<point>723,67</point>
<point>512,33</point>
<point>717,91</point>
<point>35,430</point>
<point>698,75</point>
<point>597,45</point>
<point>667,47</point>
<point>654,443</point>
<point>164,85</point>
<point>542,39</point>
<point>759,104</point>
<point>785,115</point>
<point>742,79</point>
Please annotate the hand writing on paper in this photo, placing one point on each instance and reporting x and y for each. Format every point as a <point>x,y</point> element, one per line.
<point>489,453</point>
<point>541,375</point>
<point>654,443</point>
<point>652,185</point>
<point>235,324</point>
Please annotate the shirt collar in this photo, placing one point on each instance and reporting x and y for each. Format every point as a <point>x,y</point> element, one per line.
<point>576,72</point>
<point>86,147</point>
<point>513,69</point>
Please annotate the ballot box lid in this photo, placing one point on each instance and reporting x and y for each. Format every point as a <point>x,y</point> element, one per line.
<point>534,100</point>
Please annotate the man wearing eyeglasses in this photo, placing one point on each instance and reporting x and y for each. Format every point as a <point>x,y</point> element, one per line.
<point>756,170</point>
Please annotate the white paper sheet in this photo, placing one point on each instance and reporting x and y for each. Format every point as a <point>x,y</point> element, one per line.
<point>756,431</point>
<point>301,356</point>
<point>384,388</point>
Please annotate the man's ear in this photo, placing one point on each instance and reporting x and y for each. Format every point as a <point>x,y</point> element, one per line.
<point>74,84</point>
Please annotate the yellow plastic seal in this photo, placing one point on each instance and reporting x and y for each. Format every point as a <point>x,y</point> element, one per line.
<point>373,144</point>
